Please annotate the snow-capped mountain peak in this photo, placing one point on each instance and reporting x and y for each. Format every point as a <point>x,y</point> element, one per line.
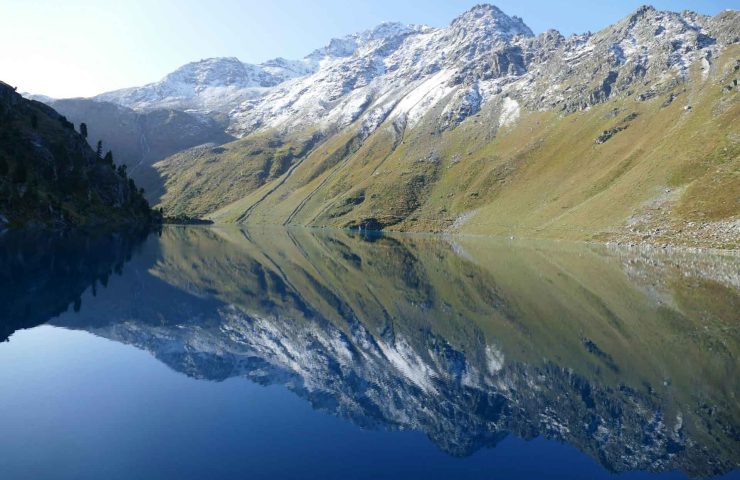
<point>490,20</point>
<point>387,30</point>
<point>283,69</point>
<point>484,56</point>
<point>350,44</point>
<point>210,84</point>
<point>401,72</point>
<point>218,72</point>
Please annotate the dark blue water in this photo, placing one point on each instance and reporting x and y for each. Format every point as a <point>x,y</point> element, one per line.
<point>207,353</point>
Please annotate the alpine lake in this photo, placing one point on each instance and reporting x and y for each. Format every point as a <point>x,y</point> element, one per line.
<point>226,352</point>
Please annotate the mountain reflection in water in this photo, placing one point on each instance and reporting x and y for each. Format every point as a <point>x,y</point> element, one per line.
<point>630,357</point>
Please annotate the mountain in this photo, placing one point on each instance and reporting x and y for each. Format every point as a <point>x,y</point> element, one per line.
<point>402,73</point>
<point>211,84</point>
<point>221,84</point>
<point>626,134</point>
<point>50,176</point>
<point>629,133</point>
<point>622,354</point>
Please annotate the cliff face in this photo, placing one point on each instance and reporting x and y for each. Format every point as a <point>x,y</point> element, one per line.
<point>49,175</point>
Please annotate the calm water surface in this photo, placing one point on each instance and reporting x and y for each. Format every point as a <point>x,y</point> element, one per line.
<point>231,353</point>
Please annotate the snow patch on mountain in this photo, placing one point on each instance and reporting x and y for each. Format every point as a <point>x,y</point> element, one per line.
<point>423,96</point>
<point>403,357</point>
<point>509,112</point>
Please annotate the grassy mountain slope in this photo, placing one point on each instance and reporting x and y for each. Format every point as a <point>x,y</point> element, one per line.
<point>50,176</point>
<point>203,179</point>
<point>628,168</point>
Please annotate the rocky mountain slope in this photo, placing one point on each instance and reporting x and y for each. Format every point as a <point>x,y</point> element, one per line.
<point>484,56</point>
<point>50,176</point>
<point>628,133</point>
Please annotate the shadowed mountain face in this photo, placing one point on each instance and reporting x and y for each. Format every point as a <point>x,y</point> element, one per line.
<point>50,176</point>
<point>139,139</point>
<point>629,356</point>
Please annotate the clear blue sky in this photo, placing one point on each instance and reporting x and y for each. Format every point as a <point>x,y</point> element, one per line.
<point>83,47</point>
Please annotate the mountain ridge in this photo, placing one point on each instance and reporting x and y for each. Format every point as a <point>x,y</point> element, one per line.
<point>232,80</point>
